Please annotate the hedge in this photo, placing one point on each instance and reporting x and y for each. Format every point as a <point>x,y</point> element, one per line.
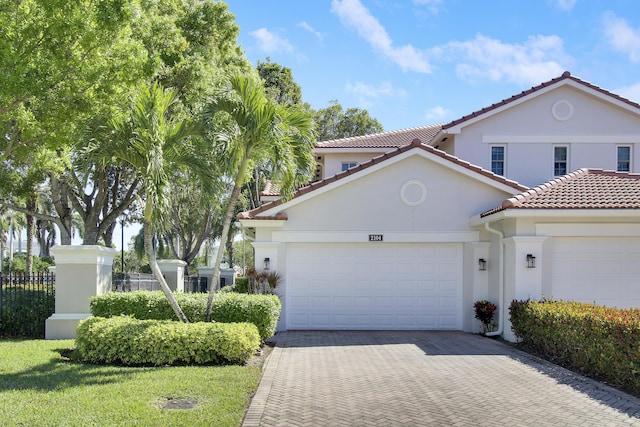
<point>261,310</point>
<point>602,342</point>
<point>25,310</point>
<point>132,342</point>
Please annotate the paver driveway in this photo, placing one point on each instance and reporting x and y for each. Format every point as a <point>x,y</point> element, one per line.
<point>424,378</point>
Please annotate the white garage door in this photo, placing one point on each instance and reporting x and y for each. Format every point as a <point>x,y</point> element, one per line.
<point>605,270</point>
<point>373,286</point>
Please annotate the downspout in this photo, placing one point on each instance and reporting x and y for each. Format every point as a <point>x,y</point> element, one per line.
<point>500,281</point>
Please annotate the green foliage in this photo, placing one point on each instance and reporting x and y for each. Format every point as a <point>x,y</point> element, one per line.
<point>24,310</point>
<point>261,310</point>
<point>241,286</point>
<point>128,341</point>
<point>147,305</point>
<point>601,341</point>
<point>484,311</point>
<point>334,123</point>
<point>19,264</point>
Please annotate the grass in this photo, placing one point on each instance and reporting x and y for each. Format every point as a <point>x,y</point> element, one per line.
<point>38,387</point>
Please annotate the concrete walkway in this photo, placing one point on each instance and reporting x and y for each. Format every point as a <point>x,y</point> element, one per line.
<point>424,378</point>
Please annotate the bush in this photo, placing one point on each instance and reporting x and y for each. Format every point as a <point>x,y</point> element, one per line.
<point>148,305</point>
<point>600,341</point>
<point>24,310</point>
<point>128,341</point>
<point>261,310</point>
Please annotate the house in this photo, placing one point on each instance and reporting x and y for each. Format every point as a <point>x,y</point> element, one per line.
<point>406,229</point>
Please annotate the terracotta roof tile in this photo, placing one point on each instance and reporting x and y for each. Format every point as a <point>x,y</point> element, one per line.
<point>564,76</point>
<point>582,189</point>
<point>392,139</point>
<point>270,189</point>
<point>415,144</point>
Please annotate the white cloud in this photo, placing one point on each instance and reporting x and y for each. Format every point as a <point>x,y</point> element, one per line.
<point>354,15</point>
<point>566,5</point>
<point>312,30</point>
<point>630,92</point>
<point>622,37</point>
<point>367,94</point>
<point>436,113</point>
<point>270,42</point>
<point>536,60</point>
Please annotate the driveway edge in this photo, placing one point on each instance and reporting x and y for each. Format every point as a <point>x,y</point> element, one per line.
<point>254,414</point>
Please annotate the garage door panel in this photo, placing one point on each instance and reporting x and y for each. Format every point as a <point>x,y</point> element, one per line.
<point>374,286</point>
<point>594,269</point>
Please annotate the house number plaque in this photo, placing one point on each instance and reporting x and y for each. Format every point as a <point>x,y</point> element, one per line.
<point>375,237</point>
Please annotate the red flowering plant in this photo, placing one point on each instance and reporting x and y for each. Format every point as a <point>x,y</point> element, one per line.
<point>484,311</point>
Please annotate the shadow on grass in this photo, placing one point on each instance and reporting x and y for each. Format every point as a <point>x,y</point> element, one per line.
<point>61,373</point>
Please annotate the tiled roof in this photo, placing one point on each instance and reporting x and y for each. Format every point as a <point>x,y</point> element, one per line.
<point>392,139</point>
<point>582,189</point>
<point>270,189</point>
<point>564,76</point>
<point>415,144</point>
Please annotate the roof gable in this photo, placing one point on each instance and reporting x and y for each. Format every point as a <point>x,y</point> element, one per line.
<point>565,79</point>
<point>582,189</point>
<point>377,162</point>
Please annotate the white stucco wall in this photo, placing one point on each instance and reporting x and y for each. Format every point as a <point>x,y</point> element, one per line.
<point>333,161</point>
<point>529,131</point>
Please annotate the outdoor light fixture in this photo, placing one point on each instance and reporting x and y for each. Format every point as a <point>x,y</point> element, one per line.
<point>531,261</point>
<point>482,264</point>
<point>267,263</point>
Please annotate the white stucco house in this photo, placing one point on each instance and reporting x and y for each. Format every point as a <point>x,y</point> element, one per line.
<point>533,196</point>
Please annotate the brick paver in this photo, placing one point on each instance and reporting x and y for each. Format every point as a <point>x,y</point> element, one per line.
<point>424,378</point>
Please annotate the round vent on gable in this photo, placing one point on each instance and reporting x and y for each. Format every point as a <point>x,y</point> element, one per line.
<point>562,110</point>
<point>413,193</point>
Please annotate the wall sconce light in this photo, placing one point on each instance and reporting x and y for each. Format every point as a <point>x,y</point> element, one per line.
<point>482,264</point>
<point>267,263</point>
<point>531,261</point>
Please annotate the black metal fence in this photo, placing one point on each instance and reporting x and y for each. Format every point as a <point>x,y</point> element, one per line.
<point>129,282</point>
<point>26,301</point>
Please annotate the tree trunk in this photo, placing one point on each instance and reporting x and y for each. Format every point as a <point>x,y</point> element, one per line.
<point>148,247</point>
<point>31,231</point>
<point>231,207</point>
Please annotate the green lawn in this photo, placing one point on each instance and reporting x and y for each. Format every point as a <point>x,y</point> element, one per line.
<point>39,388</point>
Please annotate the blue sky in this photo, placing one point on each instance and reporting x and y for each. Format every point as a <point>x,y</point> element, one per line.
<point>417,62</point>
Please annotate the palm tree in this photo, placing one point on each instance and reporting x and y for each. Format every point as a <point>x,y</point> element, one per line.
<point>256,129</point>
<point>157,144</point>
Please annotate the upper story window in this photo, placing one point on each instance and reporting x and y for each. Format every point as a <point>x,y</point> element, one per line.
<point>348,165</point>
<point>624,158</point>
<point>497,159</point>
<point>560,160</point>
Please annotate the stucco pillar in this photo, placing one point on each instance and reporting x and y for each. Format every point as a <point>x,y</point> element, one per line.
<point>173,272</point>
<point>521,281</point>
<point>275,253</point>
<point>82,271</point>
<point>228,274</point>
<point>480,282</point>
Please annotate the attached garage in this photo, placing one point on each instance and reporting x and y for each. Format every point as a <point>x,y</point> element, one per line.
<point>386,245</point>
<point>602,269</point>
<point>374,286</point>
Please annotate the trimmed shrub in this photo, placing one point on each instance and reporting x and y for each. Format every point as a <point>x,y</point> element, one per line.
<point>148,305</point>
<point>602,342</point>
<point>261,310</point>
<point>128,341</point>
<point>25,309</point>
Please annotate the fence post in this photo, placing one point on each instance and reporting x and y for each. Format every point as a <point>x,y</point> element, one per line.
<point>82,271</point>
<point>173,272</point>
